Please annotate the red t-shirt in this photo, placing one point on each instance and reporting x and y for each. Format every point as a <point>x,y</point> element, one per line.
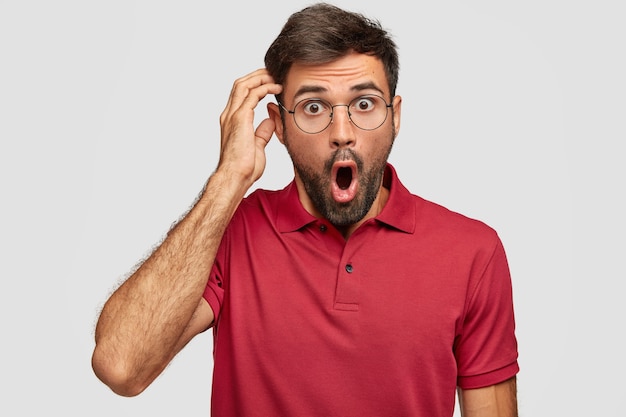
<point>387,323</point>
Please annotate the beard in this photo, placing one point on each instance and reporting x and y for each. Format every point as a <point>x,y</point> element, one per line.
<point>318,185</point>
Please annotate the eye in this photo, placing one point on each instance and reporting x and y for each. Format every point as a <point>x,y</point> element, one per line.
<point>364,104</point>
<point>314,107</point>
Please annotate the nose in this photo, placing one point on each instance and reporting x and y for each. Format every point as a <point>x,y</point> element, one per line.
<point>341,128</point>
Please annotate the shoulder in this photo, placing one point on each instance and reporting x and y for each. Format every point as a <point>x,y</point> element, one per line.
<point>263,206</point>
<point>441,223</point>
<point>441,216</point>
<point>260,198</point>
<point>274,200</point>
<point>425,218</point>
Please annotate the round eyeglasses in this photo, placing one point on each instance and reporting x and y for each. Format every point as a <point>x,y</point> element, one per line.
<point>313,115</point>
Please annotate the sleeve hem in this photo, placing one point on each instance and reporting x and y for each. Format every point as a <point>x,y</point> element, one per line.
<point>489,378</point>
<point>214,301</point>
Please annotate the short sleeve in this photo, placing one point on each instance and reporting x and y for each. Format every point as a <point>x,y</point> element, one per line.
<point>486,348</point>
<point>214,290</point>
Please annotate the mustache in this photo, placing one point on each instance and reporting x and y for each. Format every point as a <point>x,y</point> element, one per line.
<point>343,155</point>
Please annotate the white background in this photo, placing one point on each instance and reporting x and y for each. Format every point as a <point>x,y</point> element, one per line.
<point>513,114</point>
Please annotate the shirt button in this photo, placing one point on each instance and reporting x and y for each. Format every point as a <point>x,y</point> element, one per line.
<point>349,268</point>
<point>323,228</point>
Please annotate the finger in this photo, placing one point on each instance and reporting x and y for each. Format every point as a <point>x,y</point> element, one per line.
<point>242,81</point>
<point>264,132</point>
<point>242,86</point>
<point>242,113</point>
<point>255,95</point>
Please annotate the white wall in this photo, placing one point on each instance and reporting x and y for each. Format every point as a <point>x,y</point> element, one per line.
<point>513,114</point>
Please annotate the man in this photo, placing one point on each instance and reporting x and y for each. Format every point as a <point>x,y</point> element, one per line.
<point>340,295</point>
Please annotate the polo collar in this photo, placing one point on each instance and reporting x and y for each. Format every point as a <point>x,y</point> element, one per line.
<point>291,215</point>
<point>399,211</point>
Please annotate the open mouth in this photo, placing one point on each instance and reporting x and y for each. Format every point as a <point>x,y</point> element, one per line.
<point>344,177</point>
<point>345,184</point>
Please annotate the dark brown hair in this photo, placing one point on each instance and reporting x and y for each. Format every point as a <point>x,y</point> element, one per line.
<point>321,33</point>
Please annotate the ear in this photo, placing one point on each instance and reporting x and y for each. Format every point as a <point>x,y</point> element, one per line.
<point>274,113</point>
<point>397,107</point>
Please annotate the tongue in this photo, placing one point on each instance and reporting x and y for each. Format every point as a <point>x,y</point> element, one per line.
<point>344,187</point>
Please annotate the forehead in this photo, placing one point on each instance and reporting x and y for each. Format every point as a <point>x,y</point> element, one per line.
<point>341,78</point>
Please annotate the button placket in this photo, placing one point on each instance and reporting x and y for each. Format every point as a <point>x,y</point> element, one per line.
<point>348,286</point>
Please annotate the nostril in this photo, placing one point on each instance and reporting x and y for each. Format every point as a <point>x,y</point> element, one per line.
<point>340,143</point>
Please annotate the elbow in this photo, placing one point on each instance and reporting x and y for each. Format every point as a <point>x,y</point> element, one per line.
<point>116,374</point>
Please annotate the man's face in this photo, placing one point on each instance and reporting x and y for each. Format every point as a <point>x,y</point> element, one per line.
<point>341,168</point>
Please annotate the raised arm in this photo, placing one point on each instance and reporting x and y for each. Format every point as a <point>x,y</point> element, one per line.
<point>498,400</point>
<point>159,308</point>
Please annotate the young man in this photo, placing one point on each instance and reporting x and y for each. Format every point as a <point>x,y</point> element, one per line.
<point>341,294</point>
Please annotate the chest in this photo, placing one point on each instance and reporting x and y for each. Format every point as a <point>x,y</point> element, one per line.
<point>379,286</point>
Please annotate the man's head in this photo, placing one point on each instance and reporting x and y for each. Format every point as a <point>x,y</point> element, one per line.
<point>338,114</point>
<point>322,33</point>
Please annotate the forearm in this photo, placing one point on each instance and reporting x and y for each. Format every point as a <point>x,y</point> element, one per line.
<point>498,400</point>
<point>140,325</point>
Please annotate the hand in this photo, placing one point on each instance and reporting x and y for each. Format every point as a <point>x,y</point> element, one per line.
<point>242,153</point>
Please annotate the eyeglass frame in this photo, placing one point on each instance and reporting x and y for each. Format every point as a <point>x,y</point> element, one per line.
<point>332,111</point>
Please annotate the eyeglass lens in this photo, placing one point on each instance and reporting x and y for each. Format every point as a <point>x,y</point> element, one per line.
<point>313,115</point>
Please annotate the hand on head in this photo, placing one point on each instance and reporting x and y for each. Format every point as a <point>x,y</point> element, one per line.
<point>242,152</point>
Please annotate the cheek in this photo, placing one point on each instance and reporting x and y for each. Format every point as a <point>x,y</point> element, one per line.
<point>297,150</point>
<point>376,146</point>
<point>305,148</point>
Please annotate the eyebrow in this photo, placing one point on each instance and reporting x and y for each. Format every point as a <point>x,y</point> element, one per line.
<point>319,89</point>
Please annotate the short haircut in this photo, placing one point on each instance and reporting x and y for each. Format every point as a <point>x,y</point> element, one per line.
<point>322,33</point>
